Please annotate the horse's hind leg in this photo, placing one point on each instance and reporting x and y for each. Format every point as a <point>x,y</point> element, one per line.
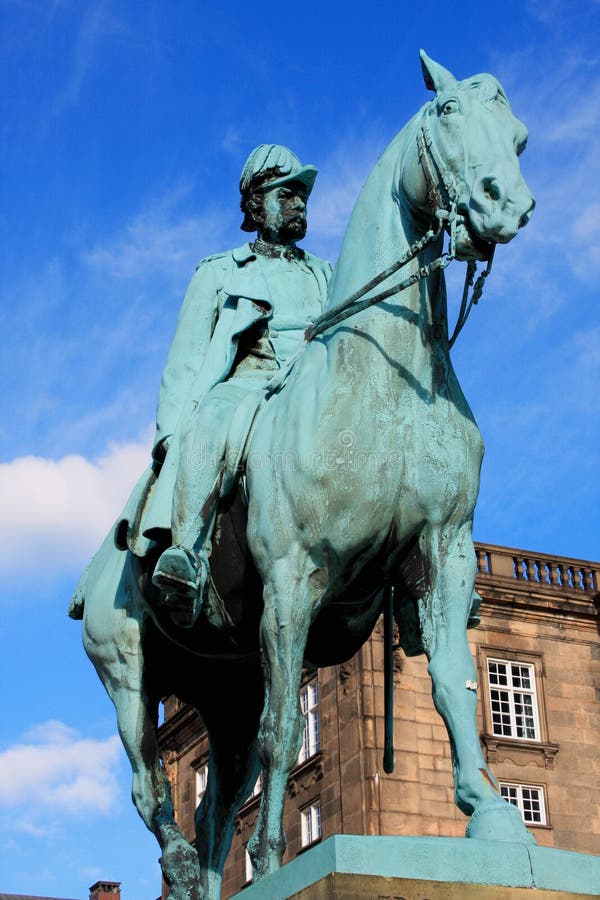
<point>443,613</point>
<point>112,639</point>
<point>151,794</point>
<point>230,709</point>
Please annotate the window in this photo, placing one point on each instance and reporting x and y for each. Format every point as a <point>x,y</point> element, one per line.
<point>309,700</point>
<point>513,707</point>
<point>529,799</point>
<point>248,866</point>
<point>310,824</point>
<point>513,700</point>
<point>257,787</point>
<point>201,781</point>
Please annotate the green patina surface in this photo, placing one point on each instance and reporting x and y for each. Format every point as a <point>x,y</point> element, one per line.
<point>424,859</point>
<point>361,468</point>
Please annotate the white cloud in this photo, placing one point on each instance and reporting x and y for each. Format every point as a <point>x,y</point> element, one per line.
<point>54,769</point>
<point>83,58</point>
<point>161,239</point>
<point>555,262</point>
<point>331,208</point>
<point>558,15</point>
<point>92,873</point>
<point>233,141</point>
<point>56,512</point>
<point>586,235</point>
<point>26,825</point>
<point>101,26</point>
<point>341,177</point>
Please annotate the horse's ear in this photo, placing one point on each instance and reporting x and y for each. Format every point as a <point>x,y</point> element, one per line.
<point>437,78</point>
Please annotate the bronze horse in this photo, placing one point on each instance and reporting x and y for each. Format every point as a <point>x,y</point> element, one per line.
<point>362,469</point>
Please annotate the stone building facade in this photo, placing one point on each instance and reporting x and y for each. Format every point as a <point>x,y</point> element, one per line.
<point>537,652</point>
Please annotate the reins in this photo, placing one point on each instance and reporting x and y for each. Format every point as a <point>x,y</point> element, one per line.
<point>467,305</point>
<point>439,182</point>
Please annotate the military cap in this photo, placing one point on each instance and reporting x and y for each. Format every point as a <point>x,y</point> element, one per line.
<point>277,161</point>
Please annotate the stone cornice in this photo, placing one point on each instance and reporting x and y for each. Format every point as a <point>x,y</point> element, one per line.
<point>525,583</point>
<point>521,753</point>
<point>180,729</point>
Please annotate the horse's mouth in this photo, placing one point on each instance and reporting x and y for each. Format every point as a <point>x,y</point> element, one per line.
<point>469,244</point>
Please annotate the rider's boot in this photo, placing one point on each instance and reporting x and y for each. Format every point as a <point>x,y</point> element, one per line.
<point>182,571</point>
<point>182,576</point>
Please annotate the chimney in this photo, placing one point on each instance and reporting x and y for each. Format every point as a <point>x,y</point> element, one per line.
<point>106,890</point>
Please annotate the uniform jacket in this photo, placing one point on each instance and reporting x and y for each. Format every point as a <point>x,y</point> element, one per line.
<point>227,295</point>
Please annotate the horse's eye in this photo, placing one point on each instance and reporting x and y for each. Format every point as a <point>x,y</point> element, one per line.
<point>449,107</point>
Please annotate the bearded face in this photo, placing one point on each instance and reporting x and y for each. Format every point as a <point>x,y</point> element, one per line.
<point>280,213</point>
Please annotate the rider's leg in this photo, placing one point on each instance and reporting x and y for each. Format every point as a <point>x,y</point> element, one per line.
<point>182,571</point>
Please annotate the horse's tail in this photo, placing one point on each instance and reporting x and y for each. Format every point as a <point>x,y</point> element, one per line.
<point>77,604</point>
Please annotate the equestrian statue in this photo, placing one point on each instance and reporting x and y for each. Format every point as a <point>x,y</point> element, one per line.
<point>313,448</point>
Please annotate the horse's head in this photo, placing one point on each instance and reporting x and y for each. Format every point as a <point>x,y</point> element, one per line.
<point>473,141</point>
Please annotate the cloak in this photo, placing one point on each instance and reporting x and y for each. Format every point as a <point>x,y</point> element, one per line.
<point>227,296</point>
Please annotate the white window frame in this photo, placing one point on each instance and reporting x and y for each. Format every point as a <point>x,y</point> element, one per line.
<point>520,795</point>
<point>201,781</point>
<point>310,824</point>
<point>248,870</point>
<point>309,703</point>
<point>513,704</point>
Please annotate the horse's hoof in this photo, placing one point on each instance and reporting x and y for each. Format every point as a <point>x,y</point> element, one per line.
<point>181,892</point>
<point>181,871</point>
<point>499,822</point>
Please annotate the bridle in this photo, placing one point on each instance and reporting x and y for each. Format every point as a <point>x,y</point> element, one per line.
<point>442,199</point>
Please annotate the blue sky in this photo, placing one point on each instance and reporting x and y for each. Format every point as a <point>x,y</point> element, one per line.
<point>124,129</point>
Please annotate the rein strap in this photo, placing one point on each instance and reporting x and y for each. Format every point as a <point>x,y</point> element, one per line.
<point>428,155</point>
<point>350,305</point>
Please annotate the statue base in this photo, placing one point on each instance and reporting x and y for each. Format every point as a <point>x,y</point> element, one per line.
<point>356,867</point>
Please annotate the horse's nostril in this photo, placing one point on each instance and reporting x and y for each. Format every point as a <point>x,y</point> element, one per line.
<point>491,189</point>
<point>527,216</point>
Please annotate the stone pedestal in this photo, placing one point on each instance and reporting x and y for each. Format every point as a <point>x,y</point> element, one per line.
<point>355,867</point>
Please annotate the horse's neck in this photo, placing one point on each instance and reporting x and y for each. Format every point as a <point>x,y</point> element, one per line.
<point>375,235</point>
<point>381,230</point>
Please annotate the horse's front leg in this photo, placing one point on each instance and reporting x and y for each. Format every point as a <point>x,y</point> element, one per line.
<point>443,613</point>
<point>284,630</point>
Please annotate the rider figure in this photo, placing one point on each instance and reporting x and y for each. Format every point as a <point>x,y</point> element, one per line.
<point>243,317</point>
